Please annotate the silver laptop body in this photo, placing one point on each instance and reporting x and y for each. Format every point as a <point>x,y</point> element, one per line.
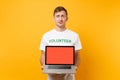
<point>59,68</point>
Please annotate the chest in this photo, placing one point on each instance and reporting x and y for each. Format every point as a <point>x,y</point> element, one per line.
<point>60,40</point>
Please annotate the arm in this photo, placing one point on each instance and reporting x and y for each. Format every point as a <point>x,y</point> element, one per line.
<point>77,58</point>
<point>42,59</point>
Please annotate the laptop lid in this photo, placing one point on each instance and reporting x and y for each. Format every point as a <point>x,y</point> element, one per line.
<point>59,55</point>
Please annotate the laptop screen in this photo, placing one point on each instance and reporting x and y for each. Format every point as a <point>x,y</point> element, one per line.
<point>59,55</point>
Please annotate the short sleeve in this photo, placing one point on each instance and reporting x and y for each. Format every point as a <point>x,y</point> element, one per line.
<point>43,43</point>
<point>78,44</point>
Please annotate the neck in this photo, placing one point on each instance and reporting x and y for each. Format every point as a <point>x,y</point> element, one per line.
<point>60,29</point>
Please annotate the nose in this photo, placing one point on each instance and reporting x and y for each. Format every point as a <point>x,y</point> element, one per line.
<point>60,18</point>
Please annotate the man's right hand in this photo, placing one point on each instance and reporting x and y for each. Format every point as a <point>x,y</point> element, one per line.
<point>42,67</point>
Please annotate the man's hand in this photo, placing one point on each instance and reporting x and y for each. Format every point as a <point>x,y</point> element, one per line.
<point>42,67</point>
<point>76,67</point>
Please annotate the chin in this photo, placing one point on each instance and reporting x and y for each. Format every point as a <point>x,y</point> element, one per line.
<point>60,26</point>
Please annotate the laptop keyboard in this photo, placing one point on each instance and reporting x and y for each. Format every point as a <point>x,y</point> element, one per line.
<point>59,67</point>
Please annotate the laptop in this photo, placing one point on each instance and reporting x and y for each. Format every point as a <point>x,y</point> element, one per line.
<point>59,59</point>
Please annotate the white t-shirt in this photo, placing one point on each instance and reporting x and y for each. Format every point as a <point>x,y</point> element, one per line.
<point>64,38</point>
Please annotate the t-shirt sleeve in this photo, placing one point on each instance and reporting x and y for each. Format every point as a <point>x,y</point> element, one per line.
<point>43,43</point>
<point>78,44</point>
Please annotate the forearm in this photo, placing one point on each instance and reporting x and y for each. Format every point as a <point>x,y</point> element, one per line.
<point>42,58</point>
<point>77,58</point>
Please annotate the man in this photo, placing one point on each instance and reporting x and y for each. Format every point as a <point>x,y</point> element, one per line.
<point>60,36</point>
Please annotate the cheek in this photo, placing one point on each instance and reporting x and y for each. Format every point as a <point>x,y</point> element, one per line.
<point>56,19</point>
<point>65,20</point>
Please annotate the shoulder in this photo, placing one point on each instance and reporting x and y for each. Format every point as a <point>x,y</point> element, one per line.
<point>48,33</point>
<point>71,32</point>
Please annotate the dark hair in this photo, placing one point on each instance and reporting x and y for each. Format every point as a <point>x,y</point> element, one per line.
<point>60,8</point>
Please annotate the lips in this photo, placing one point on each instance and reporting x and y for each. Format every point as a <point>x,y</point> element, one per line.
<point>60,22</point>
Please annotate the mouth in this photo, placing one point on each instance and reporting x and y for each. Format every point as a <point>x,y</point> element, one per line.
<point>60,22</point>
